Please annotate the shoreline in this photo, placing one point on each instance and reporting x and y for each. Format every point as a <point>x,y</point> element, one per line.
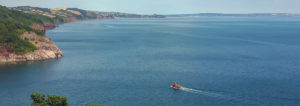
<point>46,48</point>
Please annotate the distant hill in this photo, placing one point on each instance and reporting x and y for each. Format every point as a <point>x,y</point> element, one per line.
<point>239,15</point>
<point>62,15</point>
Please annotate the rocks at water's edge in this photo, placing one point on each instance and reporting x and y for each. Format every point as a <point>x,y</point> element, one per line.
<point>46,50</point>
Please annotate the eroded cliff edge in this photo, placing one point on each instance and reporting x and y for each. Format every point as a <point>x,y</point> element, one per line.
<point>22,30</point>
<point>46,49</point>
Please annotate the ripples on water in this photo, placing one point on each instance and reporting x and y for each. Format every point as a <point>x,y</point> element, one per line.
<point>131,62</point>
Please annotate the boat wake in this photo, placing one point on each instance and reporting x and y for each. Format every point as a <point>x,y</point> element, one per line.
<point>218,95</point>
<point>207,93</point>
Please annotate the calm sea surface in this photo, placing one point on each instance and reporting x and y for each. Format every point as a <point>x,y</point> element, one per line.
<point>231,61</point>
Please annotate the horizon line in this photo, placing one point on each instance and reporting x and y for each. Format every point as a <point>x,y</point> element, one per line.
<point>170,13</point>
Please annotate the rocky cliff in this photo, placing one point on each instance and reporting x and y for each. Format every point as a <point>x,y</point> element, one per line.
<point>46,50</point>
<point>34,21</point>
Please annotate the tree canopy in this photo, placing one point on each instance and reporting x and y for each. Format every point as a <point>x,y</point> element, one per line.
<point>14,23</point>
<point>51,100</point>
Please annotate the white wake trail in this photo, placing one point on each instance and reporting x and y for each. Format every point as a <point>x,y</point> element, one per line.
<point>216,95</point>
<point>212,94</point>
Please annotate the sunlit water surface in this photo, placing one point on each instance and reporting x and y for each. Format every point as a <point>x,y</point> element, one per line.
<point>132,62</point>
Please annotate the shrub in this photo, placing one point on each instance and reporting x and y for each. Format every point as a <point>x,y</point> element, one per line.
<point>51,100</point>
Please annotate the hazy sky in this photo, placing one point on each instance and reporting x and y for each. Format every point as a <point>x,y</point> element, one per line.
<point>168,6</point>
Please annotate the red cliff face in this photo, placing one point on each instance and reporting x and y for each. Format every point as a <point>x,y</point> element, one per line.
<point>37,27</point>
<point>43,28</point>
<point>49,26</point>
<point>5,51</point>
<point>46,50</point>
<point>71,19</point>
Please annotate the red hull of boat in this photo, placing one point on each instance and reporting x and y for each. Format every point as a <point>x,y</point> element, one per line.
<point>176,86</point>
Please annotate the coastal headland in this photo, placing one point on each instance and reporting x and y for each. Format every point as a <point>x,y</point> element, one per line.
<point>22,30</point>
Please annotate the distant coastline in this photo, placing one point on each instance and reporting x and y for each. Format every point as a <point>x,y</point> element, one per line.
<point>42,20</point>
<point>238,15</point>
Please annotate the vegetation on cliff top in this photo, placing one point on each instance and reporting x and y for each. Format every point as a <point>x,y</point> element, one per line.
<point>17,20</point>
<point>14,23</point>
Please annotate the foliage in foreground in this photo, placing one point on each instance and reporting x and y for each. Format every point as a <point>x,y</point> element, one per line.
<point>51,100</point>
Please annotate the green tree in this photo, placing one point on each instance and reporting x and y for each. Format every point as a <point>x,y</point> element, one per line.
<point>51,100</point>
<point>57,100</point>
<point>38,99</point>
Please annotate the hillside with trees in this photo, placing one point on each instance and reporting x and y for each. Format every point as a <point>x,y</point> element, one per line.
<point>22,29</point>
<point>14,23</point>
<point>62,15</point>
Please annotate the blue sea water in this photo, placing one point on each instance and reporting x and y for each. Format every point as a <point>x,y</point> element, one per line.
<point>228,61</point>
